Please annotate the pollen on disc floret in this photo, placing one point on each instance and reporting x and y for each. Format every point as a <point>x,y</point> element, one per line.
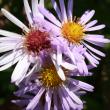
<point>50,77</point>
<point>73,31</point>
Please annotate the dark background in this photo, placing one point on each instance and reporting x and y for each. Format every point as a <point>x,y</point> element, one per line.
<point>100,98</point>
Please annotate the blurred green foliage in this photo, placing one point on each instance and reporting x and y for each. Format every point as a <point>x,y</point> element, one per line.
<point>100,98</point>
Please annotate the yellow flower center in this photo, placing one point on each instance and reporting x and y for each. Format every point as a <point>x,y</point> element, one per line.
<point>50,77</point>
<point>72,31</point>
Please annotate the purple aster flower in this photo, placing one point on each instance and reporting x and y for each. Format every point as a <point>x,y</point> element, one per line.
<point>28,47</point>
<point>74,35</point>
<point>45,90</point>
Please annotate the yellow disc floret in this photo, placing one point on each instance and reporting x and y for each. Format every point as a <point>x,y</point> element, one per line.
<point>50,78</point>
<point>73,31</point>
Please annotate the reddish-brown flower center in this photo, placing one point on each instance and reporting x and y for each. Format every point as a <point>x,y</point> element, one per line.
<point>36,41</point>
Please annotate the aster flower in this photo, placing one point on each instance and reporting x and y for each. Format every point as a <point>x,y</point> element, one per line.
<point>46,90</point>
<point>23,48</point>
<point>27,48</point>
<point>73,34</point>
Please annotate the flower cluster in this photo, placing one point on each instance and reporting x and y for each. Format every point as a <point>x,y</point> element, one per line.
<point>49,54</point>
